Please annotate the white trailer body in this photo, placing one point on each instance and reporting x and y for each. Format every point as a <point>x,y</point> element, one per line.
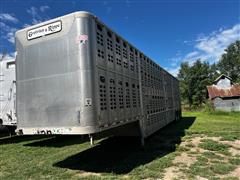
<point>7,93</point>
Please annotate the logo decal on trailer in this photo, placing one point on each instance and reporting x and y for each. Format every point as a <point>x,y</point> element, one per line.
<point>81,39</point>
<point>44,30</point>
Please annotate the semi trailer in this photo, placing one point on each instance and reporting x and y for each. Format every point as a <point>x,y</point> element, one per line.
<point>8,94</point>
<point>75,75</point>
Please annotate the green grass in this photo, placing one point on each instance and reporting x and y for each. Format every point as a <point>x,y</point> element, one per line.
<point>211,155</point>
<point>211,145</point>
<point>190,145</point>
<point>230,178</point>
<point>222,168</point>
<point>198,170</point>
<point>222,124</point>
<point>202,160</point>
<point>71,157</point>
<point>234,161</point>
<point>229,137</point>
<point>210,172</point>
<point>209,169</point>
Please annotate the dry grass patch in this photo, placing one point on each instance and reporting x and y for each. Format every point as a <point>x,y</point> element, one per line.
<point>204,157</point>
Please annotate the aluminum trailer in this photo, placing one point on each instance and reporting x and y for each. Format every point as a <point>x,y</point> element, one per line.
<point>77,76</point>
<point>8,94</point>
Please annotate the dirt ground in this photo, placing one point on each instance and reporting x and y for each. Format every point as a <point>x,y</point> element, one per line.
<point>191,151</point>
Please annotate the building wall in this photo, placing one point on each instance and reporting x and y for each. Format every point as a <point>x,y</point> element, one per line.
<point>224,83</point>
<point>227,104</point>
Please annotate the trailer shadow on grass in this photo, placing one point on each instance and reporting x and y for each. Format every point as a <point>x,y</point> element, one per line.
<point>42,140</point>
<point>120,155</point>
<point>59,141</point>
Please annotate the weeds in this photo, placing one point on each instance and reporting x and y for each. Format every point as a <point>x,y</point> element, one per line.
<point>234,161</point>
<point>211,145</point>
<point>211,155</point>
<point>222,168</point>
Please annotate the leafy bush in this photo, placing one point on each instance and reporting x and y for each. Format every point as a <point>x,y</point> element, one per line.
<point>208,106</point>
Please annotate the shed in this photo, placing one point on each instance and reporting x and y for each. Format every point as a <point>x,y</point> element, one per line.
<point>224,94</point>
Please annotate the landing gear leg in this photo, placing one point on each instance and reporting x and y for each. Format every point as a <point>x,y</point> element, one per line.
<point>91,139</point>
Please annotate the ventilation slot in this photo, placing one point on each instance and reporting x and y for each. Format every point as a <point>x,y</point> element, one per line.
<point>131,57</point>
<point>112,90</point>
<point>132,68</point>
<point>118,49</point>
<point>109,44</point>
<point>127,95</point>
<point>100,39</point>
<point>100,54</point>
<point>119,61</point>
<point>110,58</point>
<point>138,97</point>
<point>134,96</point>
<point>102,93</point>
<point>125,53</point>
<point>125,64</point>
<point>120,95</point>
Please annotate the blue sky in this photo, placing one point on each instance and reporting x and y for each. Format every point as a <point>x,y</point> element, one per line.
<point>168,31</point>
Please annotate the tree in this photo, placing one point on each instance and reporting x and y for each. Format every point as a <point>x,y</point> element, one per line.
<point>229,63</point>
<point>200,72</point>
<point>214,72</point>
<point>193,81</point>
<point>183,77</point>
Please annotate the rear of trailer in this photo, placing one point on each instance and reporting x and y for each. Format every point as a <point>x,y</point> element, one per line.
<point>77,76</point>
<point>7,93</point>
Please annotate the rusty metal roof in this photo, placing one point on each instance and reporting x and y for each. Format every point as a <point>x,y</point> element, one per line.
<point>214,92</point>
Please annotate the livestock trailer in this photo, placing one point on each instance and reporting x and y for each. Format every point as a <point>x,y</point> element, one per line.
<point>77,76</point>
<point>8,94</point>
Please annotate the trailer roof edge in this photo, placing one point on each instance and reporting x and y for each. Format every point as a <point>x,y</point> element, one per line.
<point>76,14</point>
